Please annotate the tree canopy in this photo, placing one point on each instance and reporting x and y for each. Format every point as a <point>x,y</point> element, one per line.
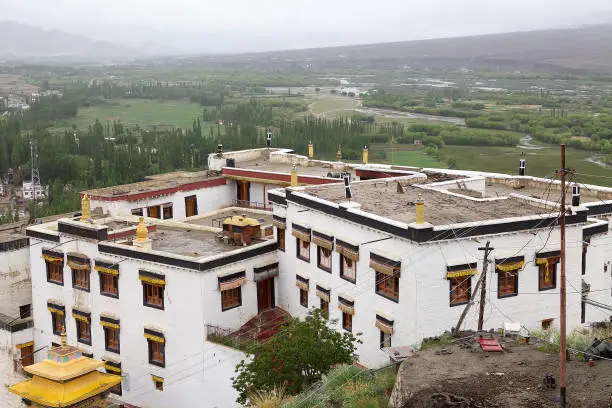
<point>298,356</point>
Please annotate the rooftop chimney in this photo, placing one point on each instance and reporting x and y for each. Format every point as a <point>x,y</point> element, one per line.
<point>575,195</point>
<point>348,194</point>
<point>219,150</point>
<point>364,155</point>
<point>269,138</point>
<point>522,167</point>
<point>310,150</point>
<point>420,210</point>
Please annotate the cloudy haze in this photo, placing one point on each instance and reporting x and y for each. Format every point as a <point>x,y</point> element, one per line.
<point>250,25</point>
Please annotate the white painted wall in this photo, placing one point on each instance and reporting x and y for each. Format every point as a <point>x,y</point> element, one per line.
<point>259,192</point>
<point>599,276</point>
<point>15,284</point>
<point>209,199</point>
<point>424,309</point>
<point>192,300</point>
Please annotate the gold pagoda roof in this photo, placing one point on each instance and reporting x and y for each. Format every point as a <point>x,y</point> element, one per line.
<point>55,394</point>
<point>241,221</point>
<point>64,378</point>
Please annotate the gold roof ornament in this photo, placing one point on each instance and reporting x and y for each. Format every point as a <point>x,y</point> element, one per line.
<point>339,153</point>
<point>420,210</point>
<point>241,221</point>
<point>142,233</point>
<point>63,336</point>
<point>85,208</point>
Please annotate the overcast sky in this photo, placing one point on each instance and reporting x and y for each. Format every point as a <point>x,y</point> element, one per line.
<point>251,25</point>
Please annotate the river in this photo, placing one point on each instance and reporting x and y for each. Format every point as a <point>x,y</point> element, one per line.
<point>389,113</point>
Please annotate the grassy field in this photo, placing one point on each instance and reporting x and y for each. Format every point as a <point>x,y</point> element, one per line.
<point>542,162</point>
<point>141,112</point>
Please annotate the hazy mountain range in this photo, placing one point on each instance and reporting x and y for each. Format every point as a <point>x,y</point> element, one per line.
<point>586,49</point>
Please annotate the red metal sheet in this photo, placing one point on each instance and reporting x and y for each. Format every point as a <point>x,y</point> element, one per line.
<point>490,345</point>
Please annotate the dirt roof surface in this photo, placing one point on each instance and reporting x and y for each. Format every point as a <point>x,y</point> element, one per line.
<point>315,169</point>
<point>470,378</point>
<point>382,198</point>
<point>153,183</point>
<point>188,242</point>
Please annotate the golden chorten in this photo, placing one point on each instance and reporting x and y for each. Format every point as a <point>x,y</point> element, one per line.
<point>85,208</point>
<point>142,232</point>
<point>66,378</point>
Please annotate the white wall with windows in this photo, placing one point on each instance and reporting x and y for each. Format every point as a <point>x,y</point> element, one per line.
<point>423,307</point>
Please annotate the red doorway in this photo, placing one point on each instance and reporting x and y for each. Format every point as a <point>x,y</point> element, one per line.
<point>265,294</point>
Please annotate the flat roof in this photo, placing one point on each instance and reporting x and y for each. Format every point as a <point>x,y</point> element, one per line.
<point>154,183</point>
<point>314,167</point>
<point>188,242</point>
<point>382,198</point>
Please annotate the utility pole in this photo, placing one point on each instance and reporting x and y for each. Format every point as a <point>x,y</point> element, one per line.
<point>562,342</point>
<point>483,289</point>
<point>467,307</point>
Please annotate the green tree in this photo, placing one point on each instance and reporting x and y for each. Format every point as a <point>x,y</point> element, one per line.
<point>298,356</point>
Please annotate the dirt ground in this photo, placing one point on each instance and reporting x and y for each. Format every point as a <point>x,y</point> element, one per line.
<point>470,378</point>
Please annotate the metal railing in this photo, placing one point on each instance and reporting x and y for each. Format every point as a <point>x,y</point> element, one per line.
<point>253,204</point>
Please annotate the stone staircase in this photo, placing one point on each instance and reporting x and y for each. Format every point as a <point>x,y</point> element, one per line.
<point>263,326</point>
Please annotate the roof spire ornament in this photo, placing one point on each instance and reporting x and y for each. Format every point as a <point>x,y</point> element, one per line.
<point>85,208</point>
<point>142,232</point>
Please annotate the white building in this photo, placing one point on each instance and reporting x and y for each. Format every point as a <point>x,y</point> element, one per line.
<point>376,263</point>
<point>34,191</point>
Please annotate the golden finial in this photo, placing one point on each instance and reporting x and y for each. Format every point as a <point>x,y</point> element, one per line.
<point>63,336</point>
<point>339,153</point>
<point>141,231</point>
<point>294,176</point>
<point>420,210</point>
<point>85,208</point>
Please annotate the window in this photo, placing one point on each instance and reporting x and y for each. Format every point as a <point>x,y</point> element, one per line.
<point>153,211</point>
<point>303,249</point>
<point>80,279</point>
<point>280,238</point>
<point>55,272</point>
<point>191,206</point>
<point>137,211</point>
<point>109,285</point>
<point>507,283</point>
<point>25,311</point>
<point>325,307</point>
<point>115,370</point>
<point>547,276</point>
<point>347,321</point>
<point>58,321</point>
<point>153,295</point>
<point>348,269</point>
<point>324,258</point>
<point>167,210</point>
<point>546,324</point>
<point>304,297</point>
<point>387,286</point>
<point>385,339</point>
<point>159,383</point>
<point>111,339</point>
<point>231,298</point>
<point>460,290</point>
<point>157,353</point>
<point>83,328</point>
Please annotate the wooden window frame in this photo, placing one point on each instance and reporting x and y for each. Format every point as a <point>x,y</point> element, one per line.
<point>319,257</point>
<point>195,205</point>
<point>159,385</point>
<point>107,345</point>
<point>547,324</point>
<point>167,208</point>
<point>324,306</point>
<point>146,299</point>
<point>59,264</point>
<point>542,274</point>
<point>57,318</point>
<point>454,284</point>
<point>159,211</point>
<point>304,298</point>
<point>298,254</point>
<point>76,274</point>
<point>137,211</point>
<point>115,279</point>
<point>152,345</point>
<point>80,324</point>
<point>383,278</point>
<point>342,269</point>
<point>385,339</point>
<point>25,311</point>
<point>280,239</point>
<point>347,321</point>
<point>225,298</point>
<point>501,276</point>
